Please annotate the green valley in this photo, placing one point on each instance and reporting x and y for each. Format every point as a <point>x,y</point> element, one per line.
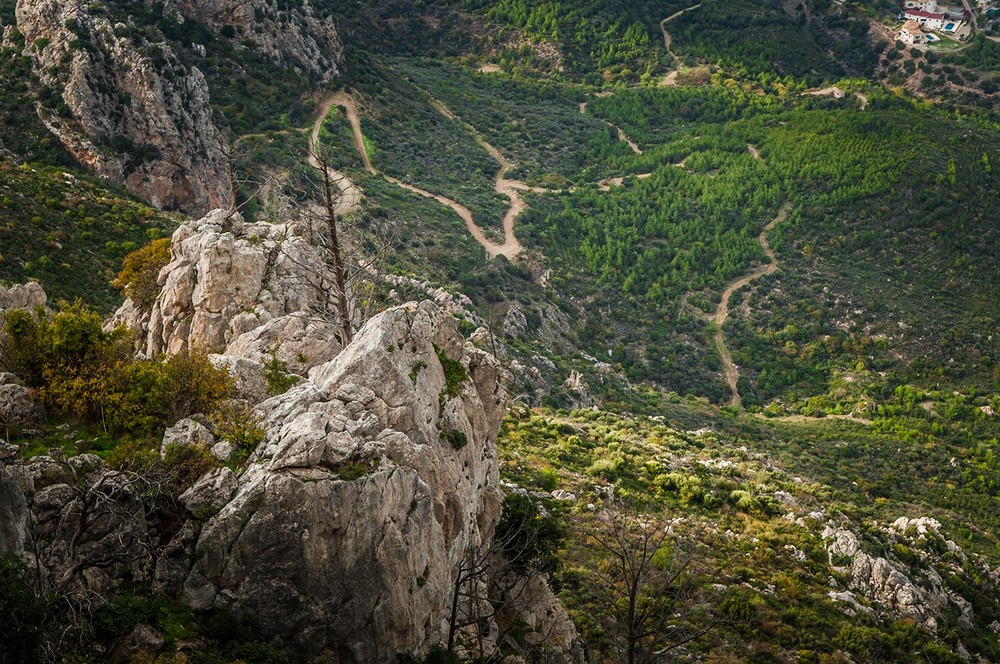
<point>579,330</point>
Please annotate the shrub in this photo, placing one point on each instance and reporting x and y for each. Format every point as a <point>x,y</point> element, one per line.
<point>81,370</point>
<point>527,538</point>
<point>237,424</point>
<point>454,373</point>
<point>140,269</point>
<point>275,372</point>
<point>34,341</point>
<point>456,438</point>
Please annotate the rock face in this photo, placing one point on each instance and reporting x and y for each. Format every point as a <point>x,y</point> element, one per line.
<point>27,296</point>
<point>134,112</point>
<point>248,287</point>
<point>550,634</point>
<point>13,514</point>
<point>884,582</point>
<point>16,406</point>
<point>346,532</point>
<point>292,36</point>
<point>88,522</point>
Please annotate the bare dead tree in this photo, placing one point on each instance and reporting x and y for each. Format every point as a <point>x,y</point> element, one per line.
<point>104,525</point>
<point>331,197</point>
<point>646,581</point>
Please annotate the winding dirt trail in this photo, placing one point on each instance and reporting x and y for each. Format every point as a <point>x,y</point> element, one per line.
<point>671,78</point>
<point>622,136</point>
<point>509,188</point>
<point>351,195</point>
<point>722,312</point>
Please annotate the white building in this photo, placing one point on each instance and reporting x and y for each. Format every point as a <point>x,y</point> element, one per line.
<point>928,20</point>
<point>930,6</point>
<point>911,33</point>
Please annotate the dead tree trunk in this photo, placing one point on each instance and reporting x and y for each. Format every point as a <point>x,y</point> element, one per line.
<point>330,199</point>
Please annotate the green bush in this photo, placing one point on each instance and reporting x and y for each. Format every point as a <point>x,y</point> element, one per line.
<point>80,370</point>
<point>528,539</point>
<point>275,372</point>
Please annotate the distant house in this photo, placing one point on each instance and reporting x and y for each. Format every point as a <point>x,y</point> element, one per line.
<point>929,20</point>
<point>922,5</point>
<point>911,33</point>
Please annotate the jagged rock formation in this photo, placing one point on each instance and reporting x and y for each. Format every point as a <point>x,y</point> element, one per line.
<point>290,36</point>
<point>918,594</point>
<point>133,112</point>
<point>27,296</point>
<point>88,525</point>
<point>243,290</point>
<point>550,634</point>
<point>343,535</point>
<point>347,528</point>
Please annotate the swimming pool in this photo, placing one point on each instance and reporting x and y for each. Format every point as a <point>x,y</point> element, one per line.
<point>950,27</point>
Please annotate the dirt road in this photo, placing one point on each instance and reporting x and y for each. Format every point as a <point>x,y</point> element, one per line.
<point>510,247</point>
<point>722,312</point>
<point>350,195</point>
<point>671,78</point>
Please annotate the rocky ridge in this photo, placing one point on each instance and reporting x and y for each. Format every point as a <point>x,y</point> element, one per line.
<point>345,529</point>
<point>911,590</point>
<point>133,112</point>
<point>241,290</point>
<point>343,533</point>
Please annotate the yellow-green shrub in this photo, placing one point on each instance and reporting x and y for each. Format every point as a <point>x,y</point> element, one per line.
<point>140,269</point>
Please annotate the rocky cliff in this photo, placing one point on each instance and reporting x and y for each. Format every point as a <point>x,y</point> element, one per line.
<point>131,111</point>
<point>342,534</point>
<point>345,533</point>
<point>126,107</point>
<point>293,37</point>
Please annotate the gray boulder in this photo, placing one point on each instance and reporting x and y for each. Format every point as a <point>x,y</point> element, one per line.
<point>27,296</point>
<point>247,376</point>
<point>186,432</point>
<point>13,515</point>
<point>210,492</point>
<point>16,406</point>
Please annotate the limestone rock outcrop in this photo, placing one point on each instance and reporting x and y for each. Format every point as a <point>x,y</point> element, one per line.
<point>243,289</point>
<point>88,522</point>
<point>290,35</point>
<point>133,112</point>
<point>550,635</point>
<point>184,433</point>
<point>27,296</point>
<point>301,340</point>
<point>884,582</point>
<point>348,527</point>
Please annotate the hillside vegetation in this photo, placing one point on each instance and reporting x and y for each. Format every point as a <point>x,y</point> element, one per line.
<point>70,232</point>
<point>791,475</point>
<point>754,511</point>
